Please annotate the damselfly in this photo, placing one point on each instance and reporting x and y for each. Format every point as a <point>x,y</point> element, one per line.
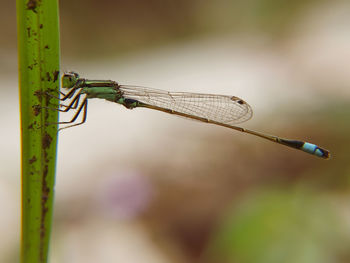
<point>215,109</point>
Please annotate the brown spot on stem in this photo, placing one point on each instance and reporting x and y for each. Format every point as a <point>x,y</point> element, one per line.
<point>55,74</point>
<point>36,110</point>
<point>38,94</point>
<point>44,209</point>
<point>48,76</point>
<point>47,139</point>
<point>32,65</point>
<point>32,160</point>
<point>32,5</point>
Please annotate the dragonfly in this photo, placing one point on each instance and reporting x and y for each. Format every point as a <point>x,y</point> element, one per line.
<point>221,110</point>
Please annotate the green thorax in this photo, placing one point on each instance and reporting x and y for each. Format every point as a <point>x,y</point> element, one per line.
<point>107,90</point>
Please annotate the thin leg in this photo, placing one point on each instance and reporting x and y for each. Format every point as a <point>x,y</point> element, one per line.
<point>73,104</point>
<point>60,92</point>
<point>65,96</point>
<point>69,94</point>
<point>84,107</point>
<point>70,106</point>
<point>76,114</point>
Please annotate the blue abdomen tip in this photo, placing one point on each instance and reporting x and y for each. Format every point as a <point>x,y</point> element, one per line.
<point>314,149</point>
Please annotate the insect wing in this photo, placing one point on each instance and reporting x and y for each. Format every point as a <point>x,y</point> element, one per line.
<point>221,108</point>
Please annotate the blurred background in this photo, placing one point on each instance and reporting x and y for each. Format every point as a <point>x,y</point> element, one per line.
<point>144,186</point>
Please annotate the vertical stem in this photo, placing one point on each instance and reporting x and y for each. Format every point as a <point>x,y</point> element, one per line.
<point>38,48</point>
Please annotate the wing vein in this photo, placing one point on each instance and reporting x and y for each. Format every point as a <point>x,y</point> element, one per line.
<point>220,108</point>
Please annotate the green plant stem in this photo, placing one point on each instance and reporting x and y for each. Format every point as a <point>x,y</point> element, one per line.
<point>38,52</point>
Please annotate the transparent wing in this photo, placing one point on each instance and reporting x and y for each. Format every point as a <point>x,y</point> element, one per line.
<point>219,108</point>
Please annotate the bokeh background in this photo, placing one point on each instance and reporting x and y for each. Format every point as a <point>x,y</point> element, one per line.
<point>142,186</point>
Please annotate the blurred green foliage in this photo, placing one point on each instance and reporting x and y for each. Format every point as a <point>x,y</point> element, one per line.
<point>282,226</point>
